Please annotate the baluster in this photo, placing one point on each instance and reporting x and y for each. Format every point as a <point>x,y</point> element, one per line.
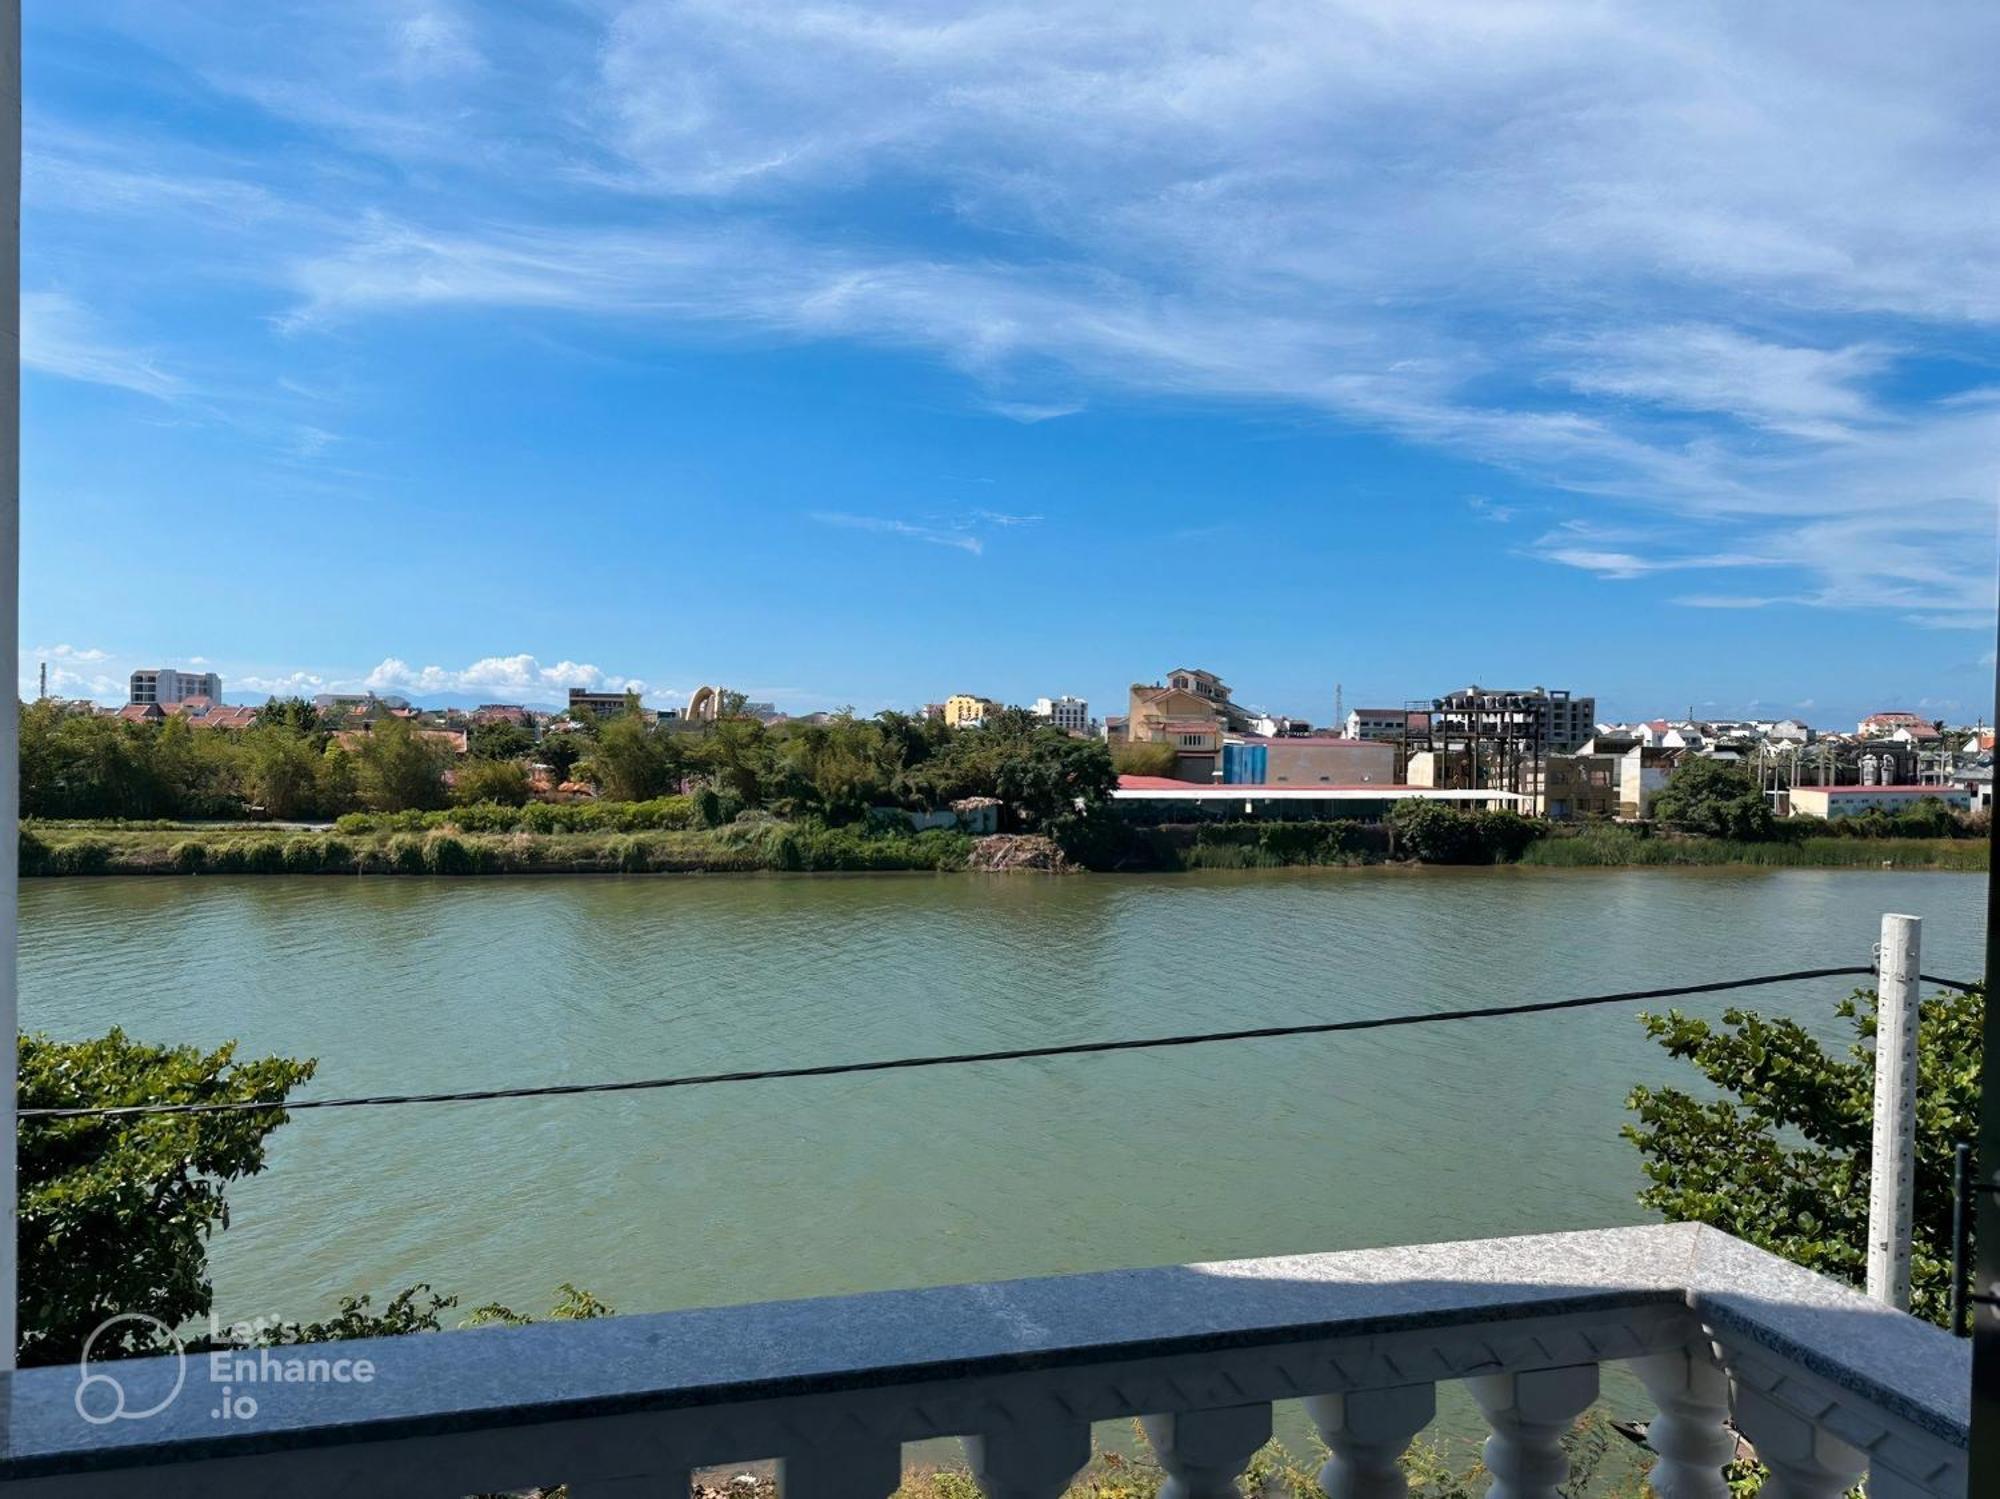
<point>1691,1433</point>
<point>630,1486</point>
<point>1368,1432</point>
<point>1032,1461</point>
<point>1530,1414</point>
<point>1805,1461</point>
<point>859,1469</point>
<point>1204,1451</point>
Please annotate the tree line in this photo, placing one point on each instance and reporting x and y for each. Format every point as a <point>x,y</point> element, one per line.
<point>296,764</point>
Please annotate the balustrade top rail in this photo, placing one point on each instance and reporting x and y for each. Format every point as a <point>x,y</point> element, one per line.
<point>735,1383</point>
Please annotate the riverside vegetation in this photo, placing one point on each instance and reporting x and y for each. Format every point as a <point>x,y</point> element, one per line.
<point>104,796</point>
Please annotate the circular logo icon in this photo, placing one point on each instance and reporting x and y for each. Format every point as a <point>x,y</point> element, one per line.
<point>100,1397</point>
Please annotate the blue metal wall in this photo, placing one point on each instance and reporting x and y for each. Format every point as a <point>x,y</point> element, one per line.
<point>1245,764</point>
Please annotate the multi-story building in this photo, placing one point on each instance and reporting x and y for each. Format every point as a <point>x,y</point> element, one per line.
<point>965,710</point>
<point>1071,713</point>
<point>166,686</point>
<point>1179,716</point>
<point>1391,724</point>
<point>1306,760</point>
<point>603,704</point>
<point>1543,721</point>
<point>1885,725</point>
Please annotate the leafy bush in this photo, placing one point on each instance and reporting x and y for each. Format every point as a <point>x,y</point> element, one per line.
<point>34,854</point>
<point>1717,800</point>
<point>1435,834</point>
<point>444,854</point>
<point>264,856</point>
<point>85,856</point>
<point>406,854</point>
<point>1781,1158</point>
<point>190,856</point>
<point>116,1217</point>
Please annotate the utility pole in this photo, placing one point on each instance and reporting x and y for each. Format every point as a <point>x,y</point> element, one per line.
<point>1985,1453</point>
<point>1339,709</point>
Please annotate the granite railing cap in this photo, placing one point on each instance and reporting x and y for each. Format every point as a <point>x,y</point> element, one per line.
<point>504,1377</point>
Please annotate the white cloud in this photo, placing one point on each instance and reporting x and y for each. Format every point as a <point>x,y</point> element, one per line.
<point>958,537</point>
<point>59,336</point>
<point>1673,262</point>
<point>497,674</point>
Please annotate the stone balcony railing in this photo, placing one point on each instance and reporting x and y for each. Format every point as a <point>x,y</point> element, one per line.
<point>1828,1386</point>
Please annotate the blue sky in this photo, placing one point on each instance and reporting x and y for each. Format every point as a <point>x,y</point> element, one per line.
<point>860,354</point>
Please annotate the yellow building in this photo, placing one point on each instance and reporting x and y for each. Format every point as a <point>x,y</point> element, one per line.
<point>964,711</point>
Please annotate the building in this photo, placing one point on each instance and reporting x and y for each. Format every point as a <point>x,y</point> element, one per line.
<point>203,714</point>
<point>166,686</point>
<point>1070,713</point>
<point>602,704</point>
<point>1885,725</point>
<point>1548,721</point>
<point>1306,760</point>
<point>962,710</point>
<point>1976,781</point>
<point>513,713</point>
<point>1834,802</point>
<point>1388,724</point>
<point>1159,799</point>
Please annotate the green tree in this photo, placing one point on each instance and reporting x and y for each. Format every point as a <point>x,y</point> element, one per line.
<point>116,1213</point>
<point>293,713</point>
<point>281,771</point>
<point>560,752</point>
<point>632,760</point>
<point>499,740</point>
<point>1715,799</point>
<point>398,768</point>
<point>502,781</point>
<point>1057,784</point>
<point>1781,1157</point>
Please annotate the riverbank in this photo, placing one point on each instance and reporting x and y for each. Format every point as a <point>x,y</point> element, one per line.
<point>448,846</point>
<point>94,849</point>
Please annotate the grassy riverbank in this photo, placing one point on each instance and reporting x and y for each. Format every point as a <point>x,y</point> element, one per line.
<point>631,841</point>
<point>86,849</point>
<point>1623,848</point>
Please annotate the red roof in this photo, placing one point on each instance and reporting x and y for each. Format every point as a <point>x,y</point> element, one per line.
<point>1872,790</point>
<point>1261,739</point>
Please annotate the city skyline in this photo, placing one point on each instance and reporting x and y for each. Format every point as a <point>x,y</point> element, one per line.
<point>862,359</point>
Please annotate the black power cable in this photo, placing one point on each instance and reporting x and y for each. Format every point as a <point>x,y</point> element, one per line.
<point>964,1058</point>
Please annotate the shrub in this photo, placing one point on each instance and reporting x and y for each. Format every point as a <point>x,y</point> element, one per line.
<point>264,856</point>
<point>707,808</point>
<point>406,854</point>
<point>85,856</point>
<point>304,856</point>
<point>189,857</point>
<point>444,854</point>
<point>34,854</point>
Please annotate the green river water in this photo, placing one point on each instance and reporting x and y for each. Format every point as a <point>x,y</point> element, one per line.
<point>739,1193</point>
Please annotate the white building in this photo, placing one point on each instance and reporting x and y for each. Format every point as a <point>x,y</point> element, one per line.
<point>1833,802</point>
<point>166,686</point>
<point>1382,723</point>
<point>1065,712</point>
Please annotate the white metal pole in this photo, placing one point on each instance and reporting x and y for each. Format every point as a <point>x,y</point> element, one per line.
<point>10,632</point>
<point>1892,1164</point>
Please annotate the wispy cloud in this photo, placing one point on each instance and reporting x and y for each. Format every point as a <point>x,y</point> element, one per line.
<point>964,533</point>
<point>1673,267</point>
<point>59,336</point>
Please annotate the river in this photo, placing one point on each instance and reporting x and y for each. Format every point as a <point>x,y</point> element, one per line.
<point>738,1193</point>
